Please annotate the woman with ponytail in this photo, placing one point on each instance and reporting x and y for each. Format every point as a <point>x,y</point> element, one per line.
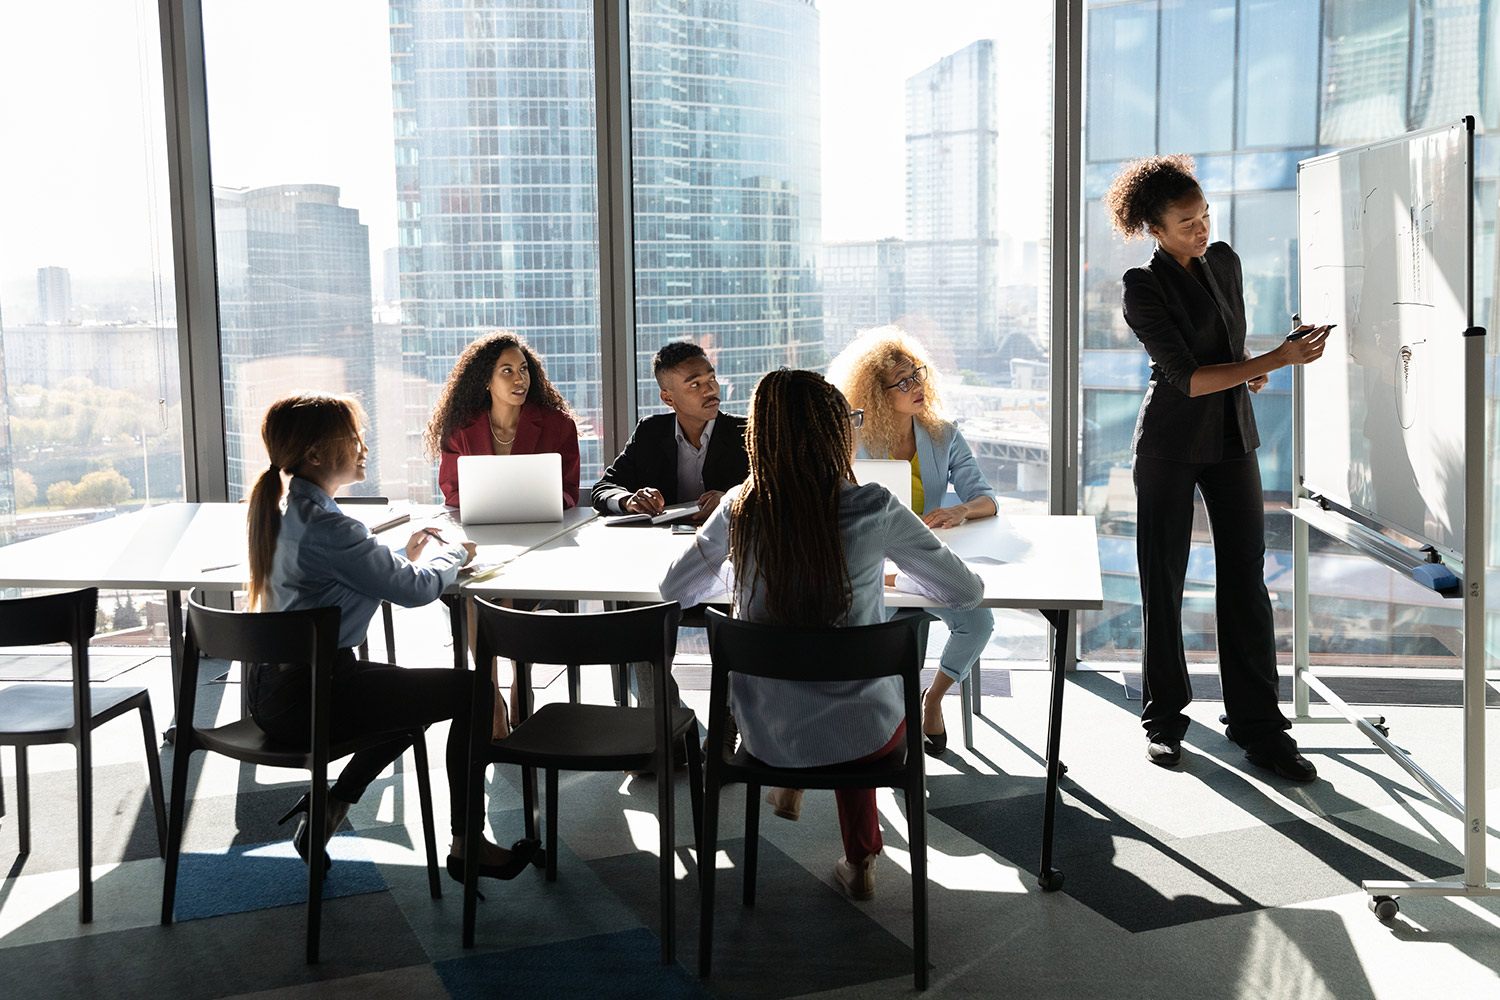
<point>808,548</point>
<point>306,553</point>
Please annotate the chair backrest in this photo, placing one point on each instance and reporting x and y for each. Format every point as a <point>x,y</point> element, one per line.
<point>67,617</point>
<point>309,636</point>
<point>782,652</point>
<point>601,637</point>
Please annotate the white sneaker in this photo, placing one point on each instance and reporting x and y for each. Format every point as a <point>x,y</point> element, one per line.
<point>857,879</point>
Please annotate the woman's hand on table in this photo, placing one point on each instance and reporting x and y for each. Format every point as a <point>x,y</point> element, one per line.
<point>944,517</point>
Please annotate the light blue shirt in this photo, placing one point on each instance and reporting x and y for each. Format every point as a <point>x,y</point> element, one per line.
<point>326,558</point>
<point>690,461</point>
<point>943,460</point>
<point>789,724</point>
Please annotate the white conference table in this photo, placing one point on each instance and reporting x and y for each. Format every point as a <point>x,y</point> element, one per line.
<point>1040,563</point>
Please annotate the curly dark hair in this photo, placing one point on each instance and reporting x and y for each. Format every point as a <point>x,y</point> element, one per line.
<point>1143,189</point>
<point>467,390</point>
<point>673,354</point>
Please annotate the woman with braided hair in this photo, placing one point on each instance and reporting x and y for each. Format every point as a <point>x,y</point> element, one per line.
<point>808,548</point>
<point>1196,431</point>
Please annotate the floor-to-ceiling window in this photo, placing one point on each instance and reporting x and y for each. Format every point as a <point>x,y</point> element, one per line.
<point>1249,87</point>
<point>90,407</point>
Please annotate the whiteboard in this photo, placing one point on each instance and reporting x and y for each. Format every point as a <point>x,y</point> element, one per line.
<point>1384,252</point>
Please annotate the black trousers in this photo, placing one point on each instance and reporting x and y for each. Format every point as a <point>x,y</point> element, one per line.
<point>369,697</point>
<point>1247,638</point>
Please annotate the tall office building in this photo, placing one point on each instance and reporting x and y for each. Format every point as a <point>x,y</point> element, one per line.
<point>54,295</point>
<point>294,311</point>
<point>864,285</point>
<point>495,170</point>
<point>7,470</point>
<point>952,271</point>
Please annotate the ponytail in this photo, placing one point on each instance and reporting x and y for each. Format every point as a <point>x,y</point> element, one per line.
<point>293,428</point>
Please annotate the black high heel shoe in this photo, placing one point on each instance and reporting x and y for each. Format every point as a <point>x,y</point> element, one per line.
<point>300,834</point>
<point>933,744</point>
<point>521,854</point>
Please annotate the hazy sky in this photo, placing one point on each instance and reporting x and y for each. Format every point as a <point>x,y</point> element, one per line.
<point>299,92</point>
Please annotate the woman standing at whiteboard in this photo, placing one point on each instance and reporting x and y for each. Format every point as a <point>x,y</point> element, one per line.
<point>1196,430</point>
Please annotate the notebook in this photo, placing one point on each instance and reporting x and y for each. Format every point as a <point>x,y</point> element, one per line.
<point>892,473</point>
<point>510,489</point>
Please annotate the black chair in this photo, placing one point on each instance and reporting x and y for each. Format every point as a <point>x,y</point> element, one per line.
<point>282,637</point>
<point>33,714</point>
<point>866,652</point>
<point>576,737</point>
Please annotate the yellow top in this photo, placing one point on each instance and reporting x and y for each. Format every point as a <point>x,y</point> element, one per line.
<point>918,499</point>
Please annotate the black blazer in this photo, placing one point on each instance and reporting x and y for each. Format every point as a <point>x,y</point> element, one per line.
<point>650,459</point>
<point>1176,318</point>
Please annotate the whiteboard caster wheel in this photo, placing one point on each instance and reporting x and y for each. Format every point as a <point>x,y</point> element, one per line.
<point>1050,880</point>
<point>1384,907</point>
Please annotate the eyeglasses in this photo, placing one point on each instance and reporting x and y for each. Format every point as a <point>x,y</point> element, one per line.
<point>857,417</point>
<point>906,384</point>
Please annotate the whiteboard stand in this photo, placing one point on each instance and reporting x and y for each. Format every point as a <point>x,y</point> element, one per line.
<point>1308,512</point>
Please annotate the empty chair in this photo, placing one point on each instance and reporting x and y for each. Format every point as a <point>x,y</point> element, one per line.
<point>579,737</point>
<point>785,653</point>
<point>32,714</point>
<point>277,637</point>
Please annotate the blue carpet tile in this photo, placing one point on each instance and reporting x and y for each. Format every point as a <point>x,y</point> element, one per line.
<point>258,876</point>
<point>625,965</point>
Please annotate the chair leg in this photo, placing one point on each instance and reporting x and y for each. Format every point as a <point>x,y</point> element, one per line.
<point>473,830</point>
<point>153,772</point>
<point>424,798</point>
<point>708,852</point>
<point>23,799</point>
<point>965,689</point>
<point>666,822</point>
<point>317,835</point>
<point>752,840</point>
<point>177,810</point>
<point>85,829</point>
<point>551,823</point>
<point>528,802</point>
<point>916,832</point>
<point>694,751</point>
<point>618,683</point>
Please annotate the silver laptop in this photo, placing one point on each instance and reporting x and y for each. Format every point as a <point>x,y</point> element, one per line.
<point>510,489</point>
<point>892,473</point>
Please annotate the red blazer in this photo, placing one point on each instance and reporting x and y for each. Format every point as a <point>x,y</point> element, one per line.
<point>541,430</point>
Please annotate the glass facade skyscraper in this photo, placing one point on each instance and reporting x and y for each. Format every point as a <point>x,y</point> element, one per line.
<point>952,249</point>
<point>294,311</point>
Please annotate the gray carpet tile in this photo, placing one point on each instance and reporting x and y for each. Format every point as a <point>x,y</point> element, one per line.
<point>124,820</point>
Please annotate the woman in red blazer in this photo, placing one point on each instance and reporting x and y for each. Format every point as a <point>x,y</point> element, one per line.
<point>497,401</point>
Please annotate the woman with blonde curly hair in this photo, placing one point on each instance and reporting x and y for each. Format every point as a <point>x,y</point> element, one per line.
<point>497,401</point>
<point>1196,432</point>
<point>886,373</point>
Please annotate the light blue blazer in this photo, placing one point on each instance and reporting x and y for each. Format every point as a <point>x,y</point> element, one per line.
<point>943,461</point>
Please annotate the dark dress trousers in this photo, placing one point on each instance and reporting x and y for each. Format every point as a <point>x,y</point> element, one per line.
<point>650,459</point>
<point>1207,443</point>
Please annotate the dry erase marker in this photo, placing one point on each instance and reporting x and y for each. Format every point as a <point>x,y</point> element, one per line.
<point>1299,334</point>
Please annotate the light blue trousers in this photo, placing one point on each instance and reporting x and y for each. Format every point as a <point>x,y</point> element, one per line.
<point>968,633</point>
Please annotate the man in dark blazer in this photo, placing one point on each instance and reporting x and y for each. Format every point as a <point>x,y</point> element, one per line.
<point>693,453</point>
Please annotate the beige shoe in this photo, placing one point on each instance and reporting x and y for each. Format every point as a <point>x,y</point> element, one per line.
<point>785,802</point>
<point>858,879</point>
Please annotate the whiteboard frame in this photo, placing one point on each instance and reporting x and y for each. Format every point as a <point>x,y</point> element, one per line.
<point>1310,511</point>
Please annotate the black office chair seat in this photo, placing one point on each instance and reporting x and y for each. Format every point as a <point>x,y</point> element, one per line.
<point>46,712</point>
<point>246,741</point>
<point>590,737</point>
<point>747,768</point>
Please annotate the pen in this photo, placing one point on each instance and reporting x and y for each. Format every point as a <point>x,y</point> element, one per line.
<point>210,569</point>
<point>435,534</point>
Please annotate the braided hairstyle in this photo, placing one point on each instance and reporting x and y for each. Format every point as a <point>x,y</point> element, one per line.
<point>294,428</point>
<point>785,520</point>
<point>467,390</point>
<point>1142,190</point>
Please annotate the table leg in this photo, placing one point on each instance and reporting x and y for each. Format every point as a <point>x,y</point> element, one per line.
<point>455,604</point>
<point>1048,878</point>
